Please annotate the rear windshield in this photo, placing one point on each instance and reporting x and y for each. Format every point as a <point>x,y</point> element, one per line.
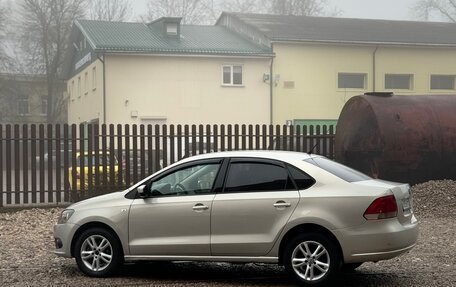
<point>339,170</point>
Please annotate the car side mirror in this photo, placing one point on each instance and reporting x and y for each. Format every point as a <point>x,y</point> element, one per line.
<point>143,191</point>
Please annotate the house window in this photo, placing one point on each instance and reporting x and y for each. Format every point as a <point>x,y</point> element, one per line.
<point>442,82</point>
<point>44,105</point>
<point>79,87</point>
<point>94,78</point>
<point>232,75</point>
<point>351,81</point>
<point>86,83</point>
<point>23,105</point>
<point>171,29</point>
<point>398,81</point>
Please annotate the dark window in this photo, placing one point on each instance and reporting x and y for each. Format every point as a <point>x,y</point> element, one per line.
<point>402,82</point>
<point>246,177</point>
<point>232,75</point>
<point>301,179</point>
<point>442,82</point>
<point>351,81</point>
<point>339,170</point>
<point>23,105</point>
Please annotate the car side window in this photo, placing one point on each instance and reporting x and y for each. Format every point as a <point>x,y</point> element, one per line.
<point>253,176</point>
<point>301,179</point>
<point>197,179</point>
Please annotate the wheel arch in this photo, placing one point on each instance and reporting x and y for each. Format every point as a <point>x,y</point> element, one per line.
<point>89,225</point>
<point>307,228</point>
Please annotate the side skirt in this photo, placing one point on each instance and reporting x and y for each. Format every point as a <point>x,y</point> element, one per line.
<point>202,258</point>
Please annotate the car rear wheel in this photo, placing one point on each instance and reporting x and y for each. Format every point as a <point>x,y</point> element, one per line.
<point>98,252</point>
<point>311,259</point>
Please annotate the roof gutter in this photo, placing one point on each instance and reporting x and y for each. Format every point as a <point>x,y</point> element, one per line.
<point>363,43</point>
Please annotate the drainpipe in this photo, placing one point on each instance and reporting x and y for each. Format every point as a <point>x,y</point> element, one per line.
<point>373,68</point>
<point>102,60</point>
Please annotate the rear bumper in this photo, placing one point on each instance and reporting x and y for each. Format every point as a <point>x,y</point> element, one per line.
<point>377,240</point>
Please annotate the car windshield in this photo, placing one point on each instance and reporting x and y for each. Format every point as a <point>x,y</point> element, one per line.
<point>344,172</point>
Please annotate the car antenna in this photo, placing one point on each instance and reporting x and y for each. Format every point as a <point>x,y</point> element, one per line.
<point>310,152</point>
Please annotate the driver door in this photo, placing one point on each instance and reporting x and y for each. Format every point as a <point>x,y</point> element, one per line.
<point>174,219</point>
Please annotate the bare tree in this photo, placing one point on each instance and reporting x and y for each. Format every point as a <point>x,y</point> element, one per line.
<point>191,11</point>
<point>110,10</point>
<point>45,26</point>
<point>444,9</point>
<point>297,7</point>
<point>243,6</point>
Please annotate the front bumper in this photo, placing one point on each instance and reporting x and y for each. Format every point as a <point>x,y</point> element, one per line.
<point>377,240</point>
<point>63,234</point>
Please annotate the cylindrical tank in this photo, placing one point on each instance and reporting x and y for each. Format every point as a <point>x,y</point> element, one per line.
<point>399,138</point>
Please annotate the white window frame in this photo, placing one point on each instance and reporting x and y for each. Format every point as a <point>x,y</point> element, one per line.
<point>411,79</point>
<point>365,75</point>
<point>231,83</point>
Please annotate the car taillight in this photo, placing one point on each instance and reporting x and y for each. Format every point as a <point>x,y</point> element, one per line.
<point>382,208</point>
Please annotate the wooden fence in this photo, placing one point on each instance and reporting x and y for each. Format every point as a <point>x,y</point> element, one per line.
<point>59,164</point>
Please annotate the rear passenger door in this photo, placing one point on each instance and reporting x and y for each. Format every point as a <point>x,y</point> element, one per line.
<point>257,200</point>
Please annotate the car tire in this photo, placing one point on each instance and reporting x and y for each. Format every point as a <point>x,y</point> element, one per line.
<point>98,252</point>
<point>350,267</point>
<point>311,259</point>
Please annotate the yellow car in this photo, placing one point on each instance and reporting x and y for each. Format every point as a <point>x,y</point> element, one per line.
<point>94,166</point>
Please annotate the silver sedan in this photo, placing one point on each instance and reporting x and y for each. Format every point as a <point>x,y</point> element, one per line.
<point>306,212</point>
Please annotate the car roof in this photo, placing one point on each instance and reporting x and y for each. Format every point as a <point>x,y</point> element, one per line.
<point>268,154</point>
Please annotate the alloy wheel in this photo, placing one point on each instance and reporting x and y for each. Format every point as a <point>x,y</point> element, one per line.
<point>310,260</point>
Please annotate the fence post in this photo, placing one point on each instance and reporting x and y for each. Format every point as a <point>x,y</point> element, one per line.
<point>25,166</point>
<point>1,165</point>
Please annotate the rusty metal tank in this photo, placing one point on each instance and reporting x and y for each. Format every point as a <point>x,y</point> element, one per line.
<point>400,138</point>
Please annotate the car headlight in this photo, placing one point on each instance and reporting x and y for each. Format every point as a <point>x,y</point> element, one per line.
<point>65,216</point>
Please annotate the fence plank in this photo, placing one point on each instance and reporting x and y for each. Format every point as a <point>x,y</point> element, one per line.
<point>58,164</point>
<point>66,163</point>
<point>142,146</point>
<point>96,162</point>
<point>244,137</point>
<point>236,137</point>
<point>8,163</point>
<point>150,161</point>
<point>82,156</point>
<point>17,165</point>
<point>284,137</point>
<point>216,138</point>
<point>209,143</point>
<point>164,137</point>
<point>331,142</point>
<point>74,192</point>
<point>200,139</point>
<point>112,159</point>
<point>50,169</point>
<point>33,146</point>
<point>25,165</point>
<point>90,166</point>
<point>193,135</point>
<point>222,138</point>
<point>298,146</point>
<point>127,155</point>
<point>134,167</point>
<point>120,156</point>
<point>41,157</point>
<point>179,142</point>
<point>104,147</point>
<point>157,148</point>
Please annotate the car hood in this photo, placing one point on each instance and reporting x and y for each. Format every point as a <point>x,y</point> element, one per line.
<point>98,201</point>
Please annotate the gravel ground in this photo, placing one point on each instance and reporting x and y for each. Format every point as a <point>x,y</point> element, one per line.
<point>26,258</point>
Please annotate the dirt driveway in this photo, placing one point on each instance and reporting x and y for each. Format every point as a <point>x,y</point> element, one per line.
<point>26,257</point>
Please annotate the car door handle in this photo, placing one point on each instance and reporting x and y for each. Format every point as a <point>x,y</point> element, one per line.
<point>200,207</point>
<point>282,204</point>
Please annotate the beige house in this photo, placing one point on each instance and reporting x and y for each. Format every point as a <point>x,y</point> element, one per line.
<point>165,73</point>
<point>321,62</point>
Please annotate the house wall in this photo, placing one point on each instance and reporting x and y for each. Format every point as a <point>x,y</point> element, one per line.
<point>184,90</point>
<point>314,70</point>
<point>86,105</point>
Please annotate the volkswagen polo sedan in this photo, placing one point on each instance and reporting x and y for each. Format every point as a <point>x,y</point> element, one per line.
<point>306,212</point>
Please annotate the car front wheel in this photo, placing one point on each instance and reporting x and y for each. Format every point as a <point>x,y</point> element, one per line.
<point>311,259</point>
<point>98,252</point>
